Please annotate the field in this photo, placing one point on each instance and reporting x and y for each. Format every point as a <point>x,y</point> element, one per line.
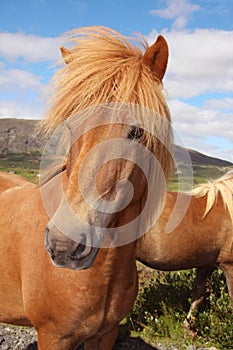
<point>164,298</point>
<point>27,165</point>
<point>24,164</point>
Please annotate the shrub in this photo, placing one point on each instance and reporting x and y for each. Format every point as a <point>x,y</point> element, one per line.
<point>163,302</point>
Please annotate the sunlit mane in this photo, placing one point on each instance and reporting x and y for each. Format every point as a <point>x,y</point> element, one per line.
<point>223,187</point>
<point>107,67</point>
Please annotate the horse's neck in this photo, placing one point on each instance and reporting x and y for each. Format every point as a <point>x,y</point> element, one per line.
<point>118,263</point>
<point>115,272</point>
<point>118,267</point>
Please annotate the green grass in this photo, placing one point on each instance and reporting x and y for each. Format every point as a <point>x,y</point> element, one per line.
<point>201,174</point>
<point>25,164</point>
<point>162,305</point>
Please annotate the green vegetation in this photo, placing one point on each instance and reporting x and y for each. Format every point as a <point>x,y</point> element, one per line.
<point>162,305</point>
<point>24,164</point>
<point>201,174</point>
<point>27,165</point>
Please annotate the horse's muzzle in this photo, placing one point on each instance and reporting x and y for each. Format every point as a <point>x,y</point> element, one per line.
<point>67,253</point>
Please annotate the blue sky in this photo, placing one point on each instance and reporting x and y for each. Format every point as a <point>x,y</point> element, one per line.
<point>199,81</point>
<point>53,17</point>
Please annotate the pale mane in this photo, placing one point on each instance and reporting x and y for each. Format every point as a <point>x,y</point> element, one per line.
<point>221,187</point>
<point>107,67</point>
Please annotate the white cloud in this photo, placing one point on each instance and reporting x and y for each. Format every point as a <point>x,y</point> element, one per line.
<point>31,48</point>
<point>179,10</point>
<point>201,121</point>
<point>196,124</point>
<point>21,89</point>
<point>200,62</point>
<point>21,110</point>
<point>19,80</point>
<point>223,104</point>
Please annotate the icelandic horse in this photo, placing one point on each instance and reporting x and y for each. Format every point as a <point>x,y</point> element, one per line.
<point>54,225</point>
<point>203,239</point>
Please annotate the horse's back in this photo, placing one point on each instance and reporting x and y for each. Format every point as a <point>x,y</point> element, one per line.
<point>194,242</point>
<point>9,180</point>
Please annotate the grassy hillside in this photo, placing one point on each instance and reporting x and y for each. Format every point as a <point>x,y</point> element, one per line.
<point>21,144</point>
<point>27,165</point>
<point>201,174</point>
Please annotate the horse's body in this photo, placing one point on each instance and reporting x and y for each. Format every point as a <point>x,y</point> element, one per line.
<point>63,305</point>
<point>8,180</point>
<point>202,240</point>
<point>68,307</point>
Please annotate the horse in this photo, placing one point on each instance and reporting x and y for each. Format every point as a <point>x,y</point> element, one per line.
<point>8,180</point>
<point>68,267</point>
<point>203,239</point>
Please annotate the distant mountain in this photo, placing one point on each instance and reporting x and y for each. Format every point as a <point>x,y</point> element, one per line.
<point>20,136</point>
<point>198,158</point>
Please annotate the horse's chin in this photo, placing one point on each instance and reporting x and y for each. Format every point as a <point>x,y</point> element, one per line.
<point>74,263</point>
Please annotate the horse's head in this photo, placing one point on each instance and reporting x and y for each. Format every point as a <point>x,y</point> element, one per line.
<point>111,159</point>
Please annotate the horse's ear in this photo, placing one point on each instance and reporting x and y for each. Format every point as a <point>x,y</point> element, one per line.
<point>66,54</point>
<point>156,57</point>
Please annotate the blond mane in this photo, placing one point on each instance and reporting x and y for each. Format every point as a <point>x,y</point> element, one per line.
<point>107,67</point>
<point>223,187</point>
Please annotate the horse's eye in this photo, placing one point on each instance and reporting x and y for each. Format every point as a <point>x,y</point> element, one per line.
<point>135,133</point>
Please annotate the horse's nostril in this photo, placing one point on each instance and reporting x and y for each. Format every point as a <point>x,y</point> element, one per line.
<point>82,250</point>
<point>46,238</point>
<point>47,245</point>
<point>50,251</point>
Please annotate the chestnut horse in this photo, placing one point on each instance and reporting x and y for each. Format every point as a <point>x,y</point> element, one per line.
<point>202,240</point>
<point>8,180</point>
<point>81,215</point>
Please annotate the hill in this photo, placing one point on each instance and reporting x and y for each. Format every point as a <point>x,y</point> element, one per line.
<point>198,158</point>
<point>19,136</point>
